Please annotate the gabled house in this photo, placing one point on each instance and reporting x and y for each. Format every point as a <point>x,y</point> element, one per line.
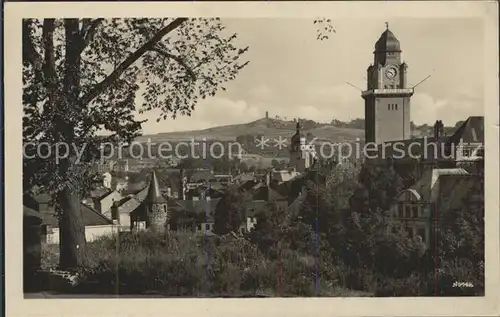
<point>194,215</point>
<point>264,192</point>
<point>468,140</point>
<point>96,225</point>
<point>102,199</point>
<point>438,150</point>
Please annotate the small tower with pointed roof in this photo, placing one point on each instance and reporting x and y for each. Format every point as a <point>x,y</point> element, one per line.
<point>155,206</point>
<point>300,156</point>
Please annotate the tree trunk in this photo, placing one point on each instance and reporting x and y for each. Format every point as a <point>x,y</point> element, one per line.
<point>72,227</point>
<point>71,231</point>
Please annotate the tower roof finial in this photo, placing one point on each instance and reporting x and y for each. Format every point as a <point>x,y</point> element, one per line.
<point>387,25</point>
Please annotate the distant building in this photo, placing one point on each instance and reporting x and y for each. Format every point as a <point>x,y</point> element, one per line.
<point>107,180</point>
<point>466,145</point>
<point>121,166</point>
<point>302,155</point>
<point>96,224</point>
<point>102,199</point>
<point>196,215</point>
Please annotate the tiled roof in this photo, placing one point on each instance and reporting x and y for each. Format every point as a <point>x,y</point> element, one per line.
<point>244,178</point>
<point>427,186</point>
<point>154,195</point>
<point>90,218</point>
<point>93,218</point>
<point>141,196</point>
<point>253,207</point>
<point>125,206</point>
<point>247,185</point>
<point>200,209</point>
<point>201,176</point>
<point>197,206</point>
<point>284,176</point>
<point>471,131</point>
<point>42,198</point>
<point>100,193</point>
<point>264,192</point>
<point>453,189</point>
<point>31,213</point>
<point>426,148</point>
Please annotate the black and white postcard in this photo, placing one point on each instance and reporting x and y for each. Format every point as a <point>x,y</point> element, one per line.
<point>277,158</point>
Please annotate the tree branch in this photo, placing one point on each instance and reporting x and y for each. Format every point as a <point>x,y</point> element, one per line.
<point>178,59</point>
<point>108,81</point>
<point>29,52</point>
<point>49,67</point>
<point>88,31</point>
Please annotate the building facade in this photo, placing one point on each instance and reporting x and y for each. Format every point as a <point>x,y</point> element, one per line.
<point>387,97</point>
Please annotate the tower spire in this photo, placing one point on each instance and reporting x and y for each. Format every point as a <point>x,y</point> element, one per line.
<point>387,25</point>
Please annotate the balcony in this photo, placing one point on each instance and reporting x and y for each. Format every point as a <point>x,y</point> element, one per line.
<point>388,92</point>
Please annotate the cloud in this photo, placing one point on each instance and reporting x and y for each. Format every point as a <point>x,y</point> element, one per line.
<point>260,92</point>
<point>426,109</point>
<point>208,113</point>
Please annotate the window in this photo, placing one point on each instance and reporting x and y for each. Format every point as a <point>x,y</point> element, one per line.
<point>466,151</point>
<point>389,107</point>
<point>164,208</point>
<point>207,226</point>
<point>396,106</point>
<point>415,211</point>
<point>421,233</point>
<point>199,227</point>
<point>410,232</point>
<point>401,211</point>
<point>407,211</point>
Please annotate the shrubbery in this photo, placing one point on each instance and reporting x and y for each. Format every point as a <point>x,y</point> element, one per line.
<point>180,264</point>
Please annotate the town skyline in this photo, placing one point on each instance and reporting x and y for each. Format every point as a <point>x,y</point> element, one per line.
<point>295,90</point>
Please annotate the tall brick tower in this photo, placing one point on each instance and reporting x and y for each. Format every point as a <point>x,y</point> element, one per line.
<point>387,98</point>
<point>155,206</point>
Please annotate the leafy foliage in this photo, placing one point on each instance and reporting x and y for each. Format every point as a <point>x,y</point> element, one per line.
<point>84,76</point>
<point>230,211</point>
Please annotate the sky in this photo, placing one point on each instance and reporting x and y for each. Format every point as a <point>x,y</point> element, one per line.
<point>292,74</point>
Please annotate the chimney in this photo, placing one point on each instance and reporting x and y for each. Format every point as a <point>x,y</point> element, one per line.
<point>114,213</point>
<point>438,129</point>
<point>182,188</point>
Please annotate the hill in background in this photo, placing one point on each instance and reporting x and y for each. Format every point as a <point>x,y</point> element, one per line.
<point>336,131</point>
<point>268,127</point>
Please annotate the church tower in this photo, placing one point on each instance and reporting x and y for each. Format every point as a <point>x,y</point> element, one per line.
<point>387,98</point>
<point>301,157</point>
<point>155,206</point>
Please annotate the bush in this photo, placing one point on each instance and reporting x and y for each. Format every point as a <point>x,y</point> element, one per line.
<point>180,264</point>
<point>50,256</point>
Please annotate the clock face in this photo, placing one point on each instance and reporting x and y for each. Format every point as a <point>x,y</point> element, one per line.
<point>391,73</point>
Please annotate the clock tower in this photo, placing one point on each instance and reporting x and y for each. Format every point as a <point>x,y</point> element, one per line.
<point>387,98</point>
